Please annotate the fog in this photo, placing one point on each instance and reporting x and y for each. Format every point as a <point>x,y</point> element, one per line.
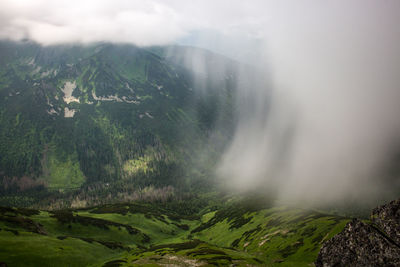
<point>319,119</point>
<point>332,124</point>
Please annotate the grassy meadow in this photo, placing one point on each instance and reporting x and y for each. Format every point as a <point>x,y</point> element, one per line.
<point>142,234</point>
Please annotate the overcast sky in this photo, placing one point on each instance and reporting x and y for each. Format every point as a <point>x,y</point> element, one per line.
<point>230,26</point>
<point>211,24</point>
<point>140,22</point>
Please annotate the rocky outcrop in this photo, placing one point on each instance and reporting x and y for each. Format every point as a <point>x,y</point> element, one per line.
<point>366,244</point>
<point>387,218</point>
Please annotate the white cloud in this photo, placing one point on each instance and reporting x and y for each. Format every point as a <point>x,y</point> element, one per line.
<point>52,22</point>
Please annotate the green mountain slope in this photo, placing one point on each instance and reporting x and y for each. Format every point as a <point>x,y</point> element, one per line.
<point>241,232</point>
<point>107,118</point>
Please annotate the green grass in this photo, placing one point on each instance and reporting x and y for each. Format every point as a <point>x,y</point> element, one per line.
<point>187,254</point>
<point>64,173</point>
<point>284,236</point>
<point>109,233</point>
<point>29,249</point>
<point>148,235</point>
<point>160,232</point>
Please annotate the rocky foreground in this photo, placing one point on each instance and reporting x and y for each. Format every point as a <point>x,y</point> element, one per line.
<point>376,243</point>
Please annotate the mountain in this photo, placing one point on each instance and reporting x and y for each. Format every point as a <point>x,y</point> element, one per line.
<point>107,158</point>
<point>83,125</point>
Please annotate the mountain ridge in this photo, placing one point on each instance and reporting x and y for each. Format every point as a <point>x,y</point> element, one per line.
<point>76,116</point>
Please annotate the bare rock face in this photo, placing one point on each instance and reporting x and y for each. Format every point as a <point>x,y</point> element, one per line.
<point>362,244</point>
<point>387,218</point>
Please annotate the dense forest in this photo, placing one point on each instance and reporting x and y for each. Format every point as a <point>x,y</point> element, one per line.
<point>89,124</point>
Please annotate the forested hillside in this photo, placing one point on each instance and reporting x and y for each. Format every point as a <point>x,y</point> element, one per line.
<point>84,125</point>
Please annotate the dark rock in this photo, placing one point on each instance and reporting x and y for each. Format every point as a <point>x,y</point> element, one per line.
<point>387,218</point>
<point>362,244</point>
<point>359,244</point>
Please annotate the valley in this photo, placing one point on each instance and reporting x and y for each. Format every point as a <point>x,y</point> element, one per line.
<point>243,232</point>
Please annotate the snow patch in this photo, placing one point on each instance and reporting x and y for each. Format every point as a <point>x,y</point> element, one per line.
<point>125,99</point>
<point>127,86</point>
<point>31,62</point>
<point>113,98</point>
<point>45,73</point>
<point>52,111</point>
<point>36,70</point>
<point>106,98</point>
<point>68,89</point>
<point>146,114</point>
<point>69,113</point>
